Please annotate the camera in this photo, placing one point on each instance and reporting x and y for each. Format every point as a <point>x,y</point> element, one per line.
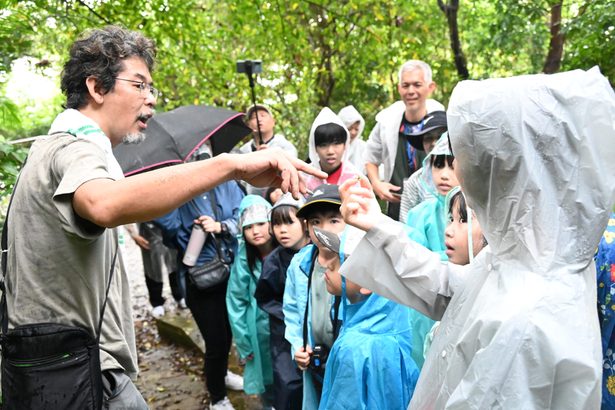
<point>317,360</point>
<point>250,66</point>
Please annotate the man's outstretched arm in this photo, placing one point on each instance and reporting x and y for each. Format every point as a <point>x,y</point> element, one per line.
<point>149,195</point>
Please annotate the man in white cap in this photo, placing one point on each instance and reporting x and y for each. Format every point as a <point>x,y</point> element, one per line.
<point>259,116</point>
<point>389,144</point>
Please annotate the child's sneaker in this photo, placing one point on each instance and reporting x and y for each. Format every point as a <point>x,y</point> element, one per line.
<point>223,404</point>
<point>158,312</point>
<point>233,381</point>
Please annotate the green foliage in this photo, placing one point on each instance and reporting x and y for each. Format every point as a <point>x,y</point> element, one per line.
<point>591,38</point>
<point>11,158</point>
<point>314,52</point>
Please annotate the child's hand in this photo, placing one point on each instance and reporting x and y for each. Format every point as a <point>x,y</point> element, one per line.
<point>302,357</point>
<point>359,205</point>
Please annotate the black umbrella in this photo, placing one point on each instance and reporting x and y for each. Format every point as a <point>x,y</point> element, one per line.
<point>174,136</point>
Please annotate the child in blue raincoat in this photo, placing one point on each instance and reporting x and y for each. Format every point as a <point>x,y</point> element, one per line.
<point>605,266</point>
<point>370,365</point>
<point>306,296</point>
<point>291,233</point>
<point>250,324</point>
<point>427,222</point>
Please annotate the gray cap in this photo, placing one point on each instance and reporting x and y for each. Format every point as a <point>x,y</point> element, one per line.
<point>287,199</point>
<point>257,107</point>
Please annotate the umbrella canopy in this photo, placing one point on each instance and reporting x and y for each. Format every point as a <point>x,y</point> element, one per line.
<point>174,136</point>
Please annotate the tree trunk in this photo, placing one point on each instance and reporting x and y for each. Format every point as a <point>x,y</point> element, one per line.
<point>450,11</point>
<point>556,44</point>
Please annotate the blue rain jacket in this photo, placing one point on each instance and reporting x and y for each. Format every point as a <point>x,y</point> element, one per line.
<point>426,224</point>
<point>249,324</point>
<point>295,300</point>
<point>605,266</point>
<point>370,365</point>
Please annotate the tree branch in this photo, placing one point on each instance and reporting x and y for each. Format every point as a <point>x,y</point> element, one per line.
<point>556,43</point>
<point>345,18</point>
<point>450,11</point>
<point>94,12</point>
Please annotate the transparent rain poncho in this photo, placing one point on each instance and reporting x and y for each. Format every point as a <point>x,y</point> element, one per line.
<point>519,326</point>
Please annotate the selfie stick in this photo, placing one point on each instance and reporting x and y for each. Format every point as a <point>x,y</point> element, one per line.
<point>251,81</point>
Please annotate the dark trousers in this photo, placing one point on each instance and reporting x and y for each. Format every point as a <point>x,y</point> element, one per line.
<point>154,289</point>
<point>209,311</point>
<point>287,378</point>
<point>393,210</point>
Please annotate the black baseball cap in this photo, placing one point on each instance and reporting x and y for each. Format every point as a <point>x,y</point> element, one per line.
<point>323,194</point>
<point>433,121</point>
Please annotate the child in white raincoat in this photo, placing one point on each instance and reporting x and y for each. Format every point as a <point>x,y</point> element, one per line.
<point>519,327</point>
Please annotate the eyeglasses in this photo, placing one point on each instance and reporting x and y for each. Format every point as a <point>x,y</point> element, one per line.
<point>143,87</point>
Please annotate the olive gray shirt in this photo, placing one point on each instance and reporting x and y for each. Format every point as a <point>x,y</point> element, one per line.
<point>59,263</point>
<point>322,326</point>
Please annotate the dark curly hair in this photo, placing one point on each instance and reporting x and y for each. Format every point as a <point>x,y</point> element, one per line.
<point>100,53</point>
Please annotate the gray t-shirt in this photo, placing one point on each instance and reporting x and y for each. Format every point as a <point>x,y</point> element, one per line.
<point>322,326</point>
<point>58,263</point>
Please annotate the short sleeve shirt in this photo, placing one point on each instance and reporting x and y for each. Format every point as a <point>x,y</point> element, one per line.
<point>321,323</point>
<point>58,263</point>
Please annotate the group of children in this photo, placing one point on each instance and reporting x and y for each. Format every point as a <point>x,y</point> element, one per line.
<point>309,337</point>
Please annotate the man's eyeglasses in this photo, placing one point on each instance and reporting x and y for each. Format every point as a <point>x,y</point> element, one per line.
<point>143,87</point>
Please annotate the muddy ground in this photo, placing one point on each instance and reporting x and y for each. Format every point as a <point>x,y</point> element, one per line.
<point>171,375</point>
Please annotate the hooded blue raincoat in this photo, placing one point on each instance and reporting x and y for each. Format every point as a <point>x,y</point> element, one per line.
<point>605,267</point>
<point>295,301</point>
<point>370,365</point>
<point>249,324</point>
<point>428,222</point>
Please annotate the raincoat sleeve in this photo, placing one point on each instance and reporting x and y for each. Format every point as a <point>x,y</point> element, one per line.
<point>232,198</point>
<point>238,303</point>
<point>409,197</point>
<point>293,314</point>
<point>387,262</point>
<point>268,289</point>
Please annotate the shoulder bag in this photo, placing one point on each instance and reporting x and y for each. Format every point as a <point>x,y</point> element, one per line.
<point>216,271</point>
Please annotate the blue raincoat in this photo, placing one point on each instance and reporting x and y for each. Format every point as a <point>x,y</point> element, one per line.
<point>427,222</point>
<point>249,324</point>
<point>605,266</point>
<point>370,365</point>
<point>428,219</point>
<point>295,301</point>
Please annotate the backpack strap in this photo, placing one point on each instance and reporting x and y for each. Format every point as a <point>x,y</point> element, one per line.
<point>307,304</point>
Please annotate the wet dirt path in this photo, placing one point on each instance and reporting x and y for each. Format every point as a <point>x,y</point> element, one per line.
<point>171,375</point>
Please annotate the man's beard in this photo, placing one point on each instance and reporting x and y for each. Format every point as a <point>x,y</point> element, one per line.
<point>133,138</point>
